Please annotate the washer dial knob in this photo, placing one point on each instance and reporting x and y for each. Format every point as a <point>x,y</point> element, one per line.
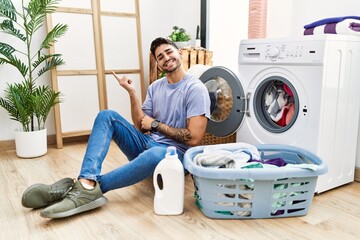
<point>273,52</point>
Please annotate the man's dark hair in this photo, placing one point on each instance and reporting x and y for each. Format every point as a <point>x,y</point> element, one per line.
<point>160,41</point>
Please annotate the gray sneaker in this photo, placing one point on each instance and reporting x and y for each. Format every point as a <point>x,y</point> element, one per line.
<point>77,200</point>
<point>41,195</point>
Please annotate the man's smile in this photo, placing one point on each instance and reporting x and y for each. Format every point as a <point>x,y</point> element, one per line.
<point>169,62</point>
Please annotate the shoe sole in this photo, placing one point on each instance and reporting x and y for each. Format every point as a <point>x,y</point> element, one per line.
<point>89,206</point>
<point>36,196</point>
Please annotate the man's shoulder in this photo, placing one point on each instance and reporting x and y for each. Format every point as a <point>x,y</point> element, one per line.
<point>192,80</point>
<point>158,82</point>
<point>195,82</point>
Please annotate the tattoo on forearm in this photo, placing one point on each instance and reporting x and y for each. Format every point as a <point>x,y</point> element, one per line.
<point>179,134</point>
<point>182,135</point>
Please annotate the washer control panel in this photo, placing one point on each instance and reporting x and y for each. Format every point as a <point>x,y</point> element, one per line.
<point>282,52</point>
<point>274,53</point>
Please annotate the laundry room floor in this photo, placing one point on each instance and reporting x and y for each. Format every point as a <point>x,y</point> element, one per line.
<point>334,214</point>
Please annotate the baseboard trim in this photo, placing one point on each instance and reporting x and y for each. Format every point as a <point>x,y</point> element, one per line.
<point>10,144</point>
<point>357,174</point>
<point>7,145</point>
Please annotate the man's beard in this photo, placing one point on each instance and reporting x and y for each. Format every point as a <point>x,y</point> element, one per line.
<point>175,68</point>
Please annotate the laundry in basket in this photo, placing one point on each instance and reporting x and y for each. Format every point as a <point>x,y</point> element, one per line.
<point>245,193</point>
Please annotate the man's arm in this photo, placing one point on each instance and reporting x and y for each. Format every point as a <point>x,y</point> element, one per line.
<point>191,135</point>
<point>137,113</point>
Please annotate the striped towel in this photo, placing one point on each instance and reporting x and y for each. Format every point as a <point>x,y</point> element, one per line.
<point>342,25</point>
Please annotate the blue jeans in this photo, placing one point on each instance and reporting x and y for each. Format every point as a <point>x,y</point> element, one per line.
<point>141,150</point>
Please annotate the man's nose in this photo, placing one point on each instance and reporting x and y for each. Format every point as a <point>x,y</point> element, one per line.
<point>166,57</point>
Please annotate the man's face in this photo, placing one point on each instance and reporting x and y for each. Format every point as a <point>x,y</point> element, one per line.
<point>168,58</point>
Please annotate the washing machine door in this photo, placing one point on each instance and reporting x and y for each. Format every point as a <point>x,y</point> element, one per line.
<point>228,101</point>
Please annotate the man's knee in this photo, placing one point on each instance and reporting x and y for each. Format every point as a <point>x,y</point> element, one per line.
<point>156,154</point>
<point>108,115</point>
<point>105,113</point>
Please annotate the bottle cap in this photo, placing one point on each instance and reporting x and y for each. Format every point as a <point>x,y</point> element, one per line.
<point>171,151</point>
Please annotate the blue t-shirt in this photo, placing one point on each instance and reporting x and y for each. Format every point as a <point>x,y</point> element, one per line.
<point>172,104</point>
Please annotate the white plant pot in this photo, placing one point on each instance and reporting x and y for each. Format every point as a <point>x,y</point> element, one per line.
<point>30,144</point>
<point>182,44</point>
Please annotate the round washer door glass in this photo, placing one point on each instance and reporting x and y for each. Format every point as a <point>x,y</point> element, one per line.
<point>276,104</point>
<point>227,101</point>
<point>221,99</point>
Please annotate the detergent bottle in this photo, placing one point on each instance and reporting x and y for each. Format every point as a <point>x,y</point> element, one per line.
<point>169,184</point>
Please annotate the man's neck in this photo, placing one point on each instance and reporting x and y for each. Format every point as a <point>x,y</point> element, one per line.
<point>176,76</point>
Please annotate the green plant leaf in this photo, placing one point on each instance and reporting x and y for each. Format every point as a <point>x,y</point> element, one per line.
<point>17,103</point>
<point>43,58</point>
<point>6,49</point>
<point>55,33</point>
<point>53,62</point>
<point>37,10</point>
<point>26,102</point>
<point>44,98</point>
<point>7,10</point>
<point>179,35</point>
<point>14,61</point>
<point>8,27</point>
<point>42,7</point>
<point>34,24</point>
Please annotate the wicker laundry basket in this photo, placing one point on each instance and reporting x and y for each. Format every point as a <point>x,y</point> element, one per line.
<point>210,139</point>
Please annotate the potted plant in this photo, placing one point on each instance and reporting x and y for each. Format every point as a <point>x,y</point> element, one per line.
<point>26,101</point>
<point>180,37</point>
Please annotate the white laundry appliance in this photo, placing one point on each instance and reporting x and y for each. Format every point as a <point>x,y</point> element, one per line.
<point>301,91</point>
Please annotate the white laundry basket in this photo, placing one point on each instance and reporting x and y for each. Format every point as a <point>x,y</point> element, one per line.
<point>256,192</point>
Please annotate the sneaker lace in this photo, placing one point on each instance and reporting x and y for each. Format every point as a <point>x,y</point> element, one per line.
<point>72,193</point>
<point>58,193</point>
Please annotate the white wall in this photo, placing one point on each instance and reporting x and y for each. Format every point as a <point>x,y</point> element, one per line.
<point>157,19</point>
<point>228,24</point>
<point>287,18</point>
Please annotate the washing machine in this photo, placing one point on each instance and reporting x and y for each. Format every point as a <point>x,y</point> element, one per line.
<point>301,91</point>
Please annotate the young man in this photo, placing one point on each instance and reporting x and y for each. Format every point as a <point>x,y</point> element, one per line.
<point>175,112</point>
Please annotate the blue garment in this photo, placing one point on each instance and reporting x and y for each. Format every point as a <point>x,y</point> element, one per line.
<point>143,151</point>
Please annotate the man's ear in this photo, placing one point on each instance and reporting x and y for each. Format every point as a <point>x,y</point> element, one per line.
<point>180,53</point>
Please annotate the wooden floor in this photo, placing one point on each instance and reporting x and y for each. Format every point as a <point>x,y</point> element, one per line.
<point>129,213</point>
